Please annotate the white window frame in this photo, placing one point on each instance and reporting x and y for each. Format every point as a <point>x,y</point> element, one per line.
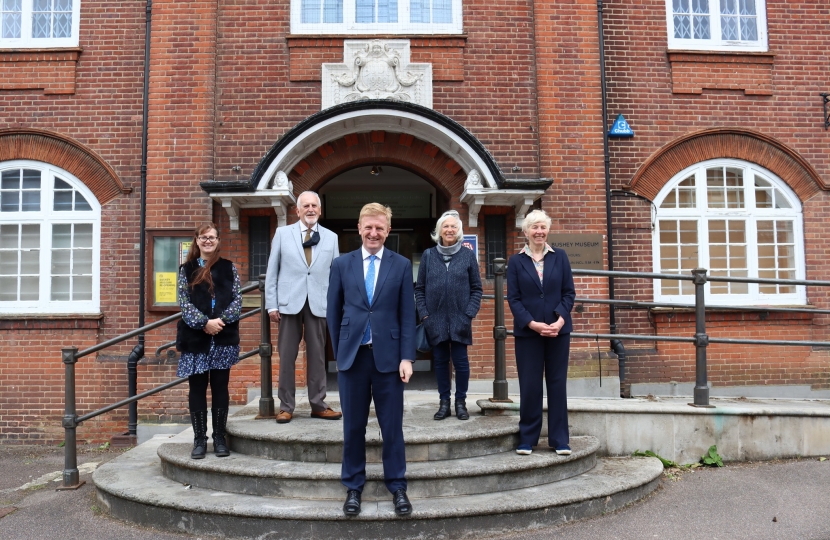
<point>716,43</point>
<point>350,27</point>
<point>46,218</point>
<point>751,215</point>
<point>26,41</point>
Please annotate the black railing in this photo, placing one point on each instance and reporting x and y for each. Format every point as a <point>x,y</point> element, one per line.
<point>70,356</point>
<point>700,339</point>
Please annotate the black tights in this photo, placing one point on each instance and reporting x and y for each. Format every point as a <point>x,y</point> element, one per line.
<point>218,389</point>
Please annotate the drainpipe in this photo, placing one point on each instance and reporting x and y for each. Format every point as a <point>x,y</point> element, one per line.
<point>142,222</point>
<point>616,344</point>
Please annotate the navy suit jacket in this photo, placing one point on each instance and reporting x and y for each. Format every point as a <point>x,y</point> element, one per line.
<point>392,311</point>
<point>531,300</point>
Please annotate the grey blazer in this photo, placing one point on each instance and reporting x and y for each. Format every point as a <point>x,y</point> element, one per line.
<point>289,280</point>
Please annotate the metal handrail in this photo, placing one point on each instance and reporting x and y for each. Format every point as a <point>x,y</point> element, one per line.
<point>70,356</point>
<point>173,343</point>
<point>700,339</point>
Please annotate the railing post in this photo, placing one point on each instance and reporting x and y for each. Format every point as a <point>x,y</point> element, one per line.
<point>70,451</point>
<point>701,395</point>
<point>266,397</point>
<point>132,381</point>
<point>500,335</point>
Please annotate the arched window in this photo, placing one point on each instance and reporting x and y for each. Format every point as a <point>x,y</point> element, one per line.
<point>50,234</point>
<point>735,219</point>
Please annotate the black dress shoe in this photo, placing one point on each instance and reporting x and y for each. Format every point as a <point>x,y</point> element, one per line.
<point>352,505</point>
<point>402,505</point>
<point>443,410</point>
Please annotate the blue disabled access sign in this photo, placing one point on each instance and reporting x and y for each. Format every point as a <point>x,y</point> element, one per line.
<point>621,128</point>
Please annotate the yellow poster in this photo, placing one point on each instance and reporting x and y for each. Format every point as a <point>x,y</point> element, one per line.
<point>184,247</point>
<point>166,287</point>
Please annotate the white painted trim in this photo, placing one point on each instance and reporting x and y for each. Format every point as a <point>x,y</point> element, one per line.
<point>749,214</point>
<point>350,27</point>
<point>377,120</point>
<point>718,44</point>
<point>46,218</point>
<point>26,41</point>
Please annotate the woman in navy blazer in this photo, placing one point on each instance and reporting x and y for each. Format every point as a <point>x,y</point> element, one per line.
<point>540,292</point>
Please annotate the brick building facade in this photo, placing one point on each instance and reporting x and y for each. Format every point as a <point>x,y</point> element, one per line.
<point>487,108</point>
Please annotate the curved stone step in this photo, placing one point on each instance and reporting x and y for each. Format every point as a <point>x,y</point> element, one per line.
<point>311,440</point>
<point>133,488</point>
<point>250,475</point>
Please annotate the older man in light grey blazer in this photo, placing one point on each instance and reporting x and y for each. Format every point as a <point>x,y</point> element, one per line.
<point>296,286</point>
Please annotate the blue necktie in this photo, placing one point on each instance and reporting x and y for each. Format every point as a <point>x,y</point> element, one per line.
<point>369,282</point>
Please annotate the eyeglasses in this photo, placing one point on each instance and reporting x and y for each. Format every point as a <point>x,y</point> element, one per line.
<point>207,239</point>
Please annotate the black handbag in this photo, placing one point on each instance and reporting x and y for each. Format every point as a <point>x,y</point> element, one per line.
<point>421,339</point>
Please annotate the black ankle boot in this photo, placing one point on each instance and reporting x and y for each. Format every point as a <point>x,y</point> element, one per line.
<point>443,410</point>
<point>220,420</point>
<point>199,421</point>
<point>461,410</point>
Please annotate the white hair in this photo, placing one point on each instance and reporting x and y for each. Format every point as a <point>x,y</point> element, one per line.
<point>436,234</point>
<point>319,201</point>
<point>534,217</point>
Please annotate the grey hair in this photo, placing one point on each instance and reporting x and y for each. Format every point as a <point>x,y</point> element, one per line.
<point>436,234</point>
<point>534,217</point>
<point>319,200</point>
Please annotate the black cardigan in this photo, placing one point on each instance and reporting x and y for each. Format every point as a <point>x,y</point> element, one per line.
<point>195,340</point>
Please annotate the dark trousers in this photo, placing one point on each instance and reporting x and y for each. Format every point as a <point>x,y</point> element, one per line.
<point>218,380</point>
<point>359,385</point>
<point>293,328</point>
<point>537,356</point>
<point>441,355</point>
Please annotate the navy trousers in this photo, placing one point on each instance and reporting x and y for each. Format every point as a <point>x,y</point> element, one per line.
<point>441,355</point>
<point>537,356</point>
<point>359,385</point>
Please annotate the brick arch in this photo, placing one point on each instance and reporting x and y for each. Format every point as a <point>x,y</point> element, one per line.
<point>379,148</point>
<point>734,143</point>
<point>63,152</point>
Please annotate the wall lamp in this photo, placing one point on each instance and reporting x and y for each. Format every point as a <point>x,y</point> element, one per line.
<point>826,98</point>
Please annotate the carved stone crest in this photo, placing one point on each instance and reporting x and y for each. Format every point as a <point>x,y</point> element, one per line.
<point>377,69</point>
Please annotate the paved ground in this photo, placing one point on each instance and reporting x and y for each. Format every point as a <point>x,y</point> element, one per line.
<point>771,500</point>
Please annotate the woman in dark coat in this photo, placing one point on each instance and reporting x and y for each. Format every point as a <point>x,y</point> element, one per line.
<point>540,291</point>
<point>208,335</point>
<point>448,296</point>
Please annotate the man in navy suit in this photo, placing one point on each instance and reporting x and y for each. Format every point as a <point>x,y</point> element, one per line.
<point>371,320</point>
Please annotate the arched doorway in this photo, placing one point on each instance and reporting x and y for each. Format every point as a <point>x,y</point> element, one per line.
<point>415,205</point>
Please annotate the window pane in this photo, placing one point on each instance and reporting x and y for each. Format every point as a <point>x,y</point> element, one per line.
<point>387,11</point>
<point>333,11</point>
<point>61,261</point>
<point>310,11</point>
<point>60,288</point>
<point>682,27</point>
<point>63,201</point>
<point>41,25</point>
<point>10,180</point>
<point>63,25</point>
<point>442,11</point>
<point>31,179</point>
<point>60,184</point>
<point>30,288</point>
<point>10,201</point>
<point>8,289</point>
<point>83,235</point>
<point>30,236</point>
<point>61,236</point>
<point>30,262</point>
<point>12,18</point>
<point>8,262</point>
<point>30,201</point>
<point>364,11</point>
<point>81,204</point>
<point>9,238</point>
<point>419,11</point>
<point>670,201</point>
<point>82,262</point>
<point>82,288</point>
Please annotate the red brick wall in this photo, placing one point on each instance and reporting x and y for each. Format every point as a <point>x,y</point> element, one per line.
<point>774,94</point>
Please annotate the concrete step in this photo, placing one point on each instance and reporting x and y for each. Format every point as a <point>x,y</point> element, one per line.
<point>252,475</point>
<point>133,488</point>
<point>312,440</point>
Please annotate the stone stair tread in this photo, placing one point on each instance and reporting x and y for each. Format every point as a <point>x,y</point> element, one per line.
<point>418,427</point>
<point>254,466</point>
<point>136,476</point>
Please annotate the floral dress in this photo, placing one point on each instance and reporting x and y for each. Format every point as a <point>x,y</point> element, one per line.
<point>219,356</point>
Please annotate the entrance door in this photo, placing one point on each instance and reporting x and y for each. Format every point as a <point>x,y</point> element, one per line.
<point>414,211</point>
